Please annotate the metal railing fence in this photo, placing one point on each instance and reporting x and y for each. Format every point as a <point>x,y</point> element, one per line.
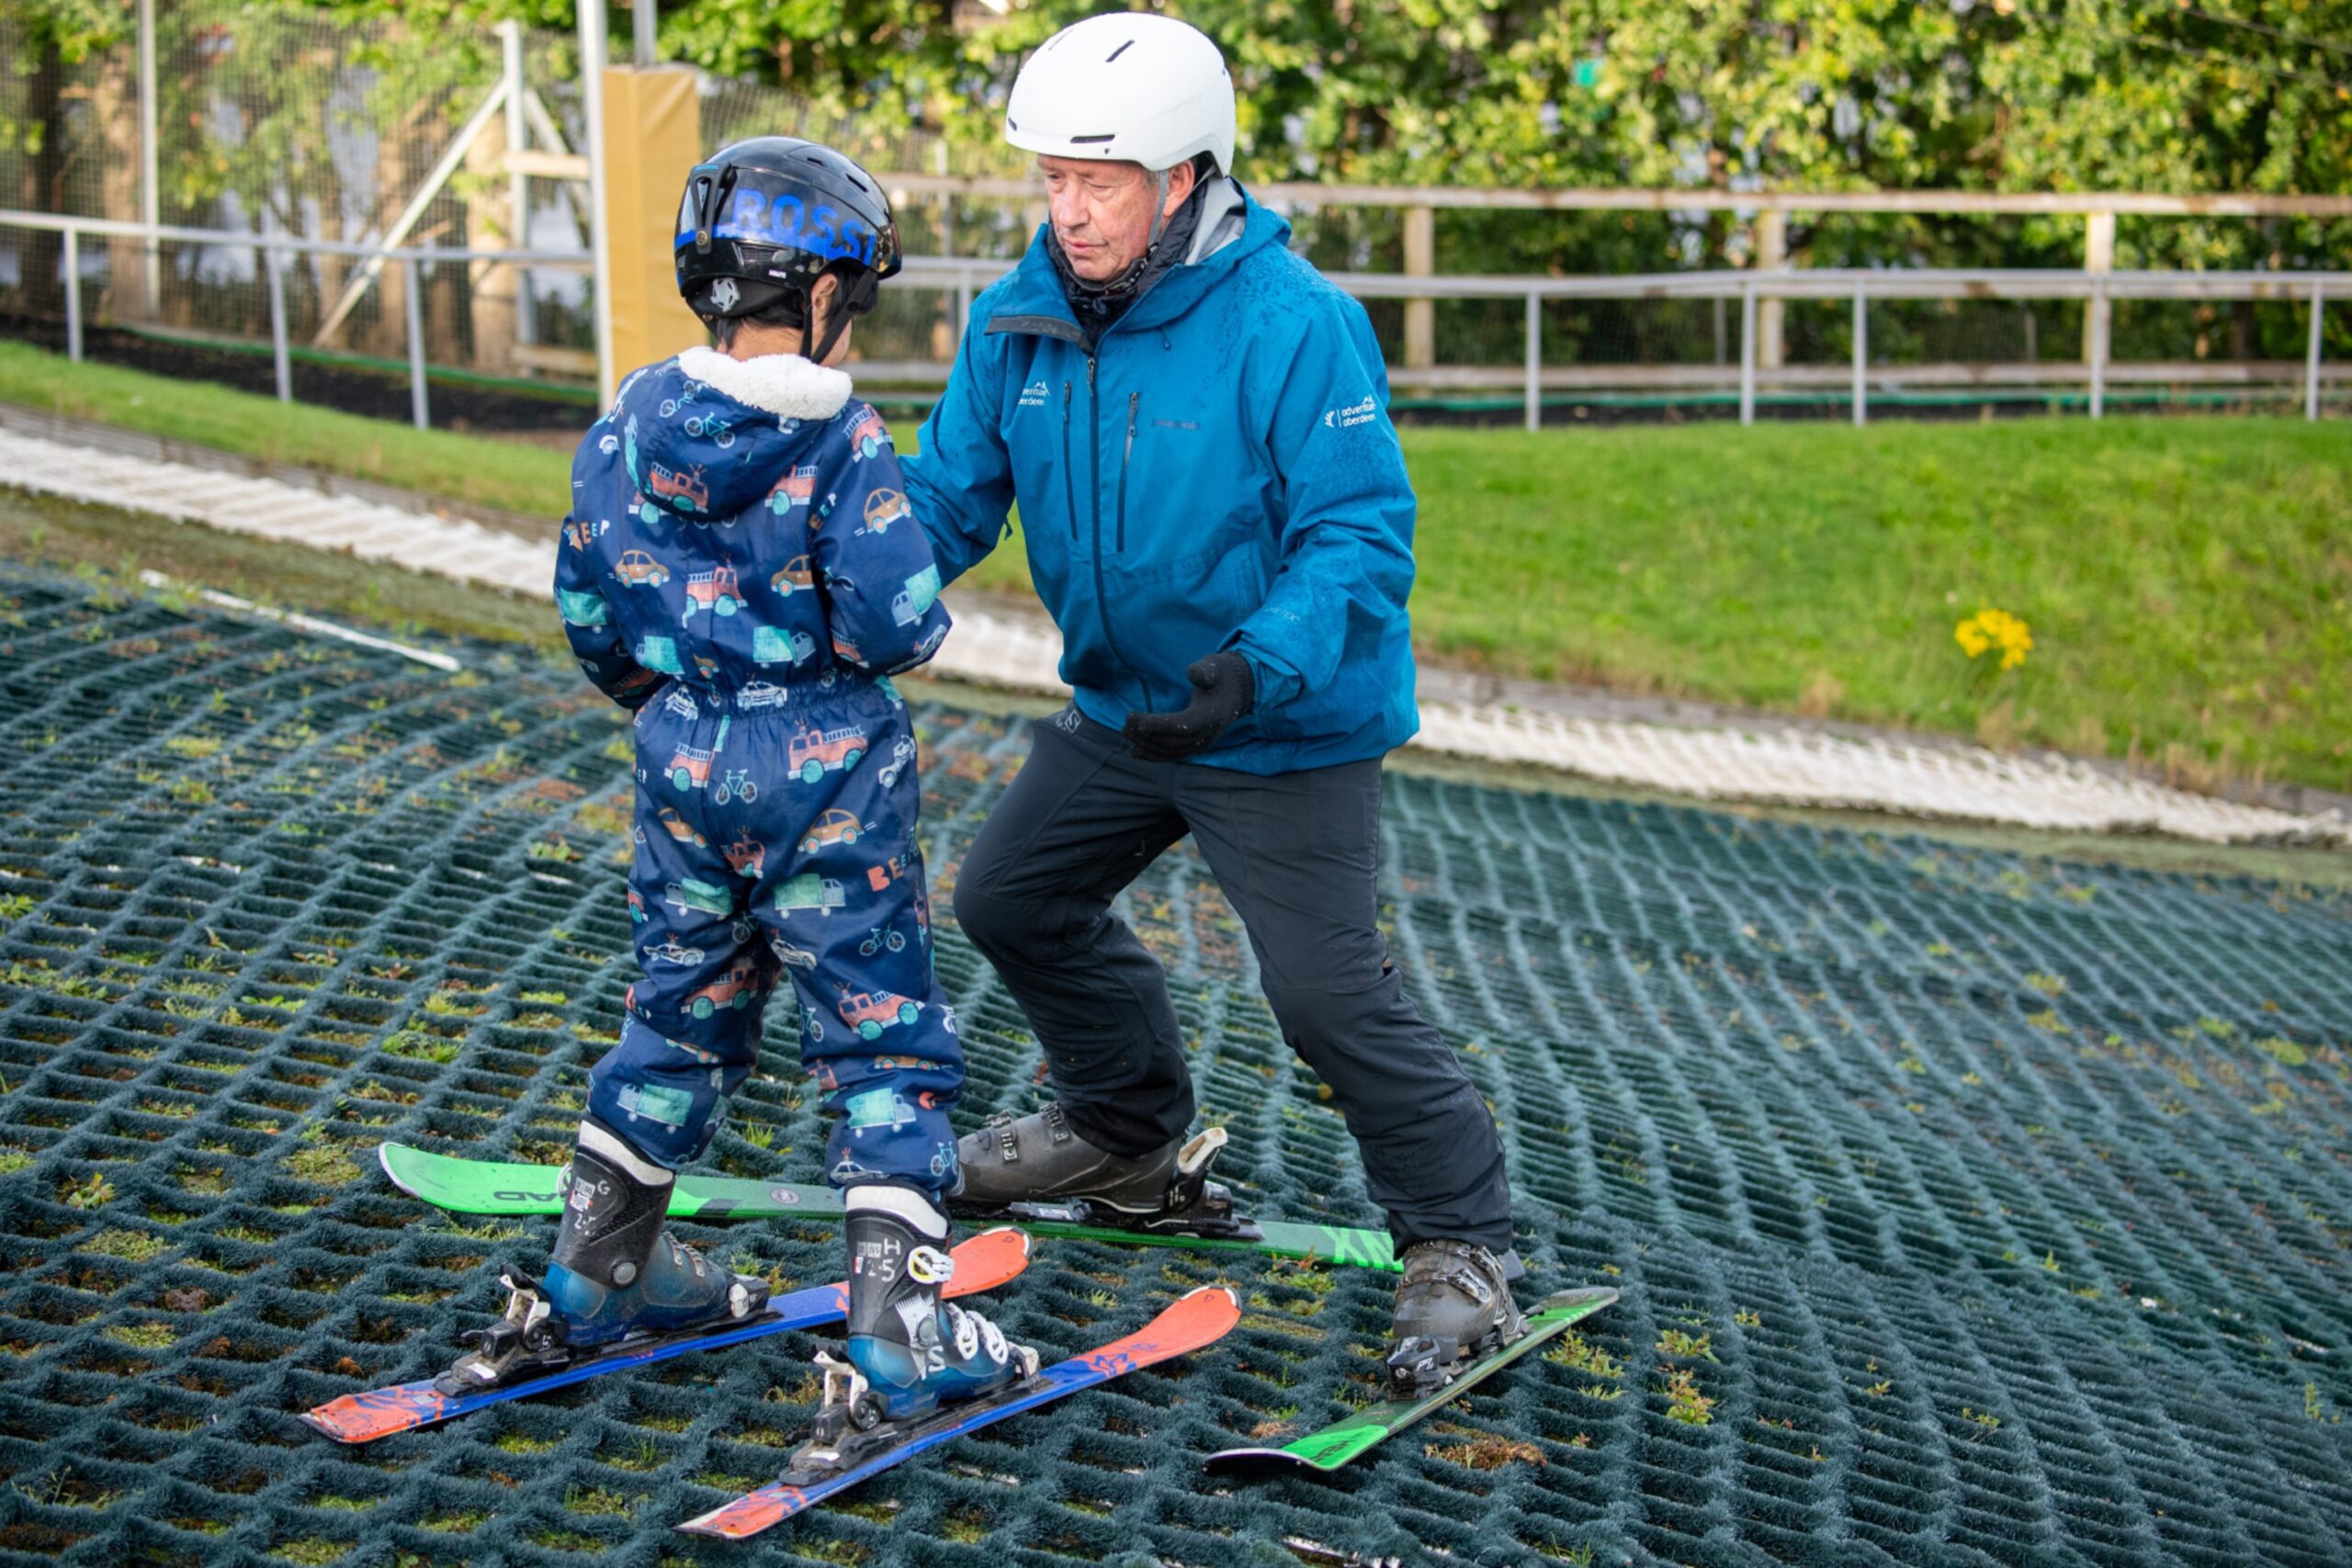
<point>274,248</point>
<point>959,280</point>
<point>1752,289</point>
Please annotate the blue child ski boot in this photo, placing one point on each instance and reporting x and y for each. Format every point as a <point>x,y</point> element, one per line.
<point>909,1351</point>
<point>616,1270</point>
<point>617,1275</point>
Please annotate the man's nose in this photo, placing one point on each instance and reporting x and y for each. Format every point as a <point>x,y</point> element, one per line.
<point>1067,209</point>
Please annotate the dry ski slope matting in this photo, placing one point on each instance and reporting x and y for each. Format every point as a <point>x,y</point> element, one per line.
<point>1967,1209</point>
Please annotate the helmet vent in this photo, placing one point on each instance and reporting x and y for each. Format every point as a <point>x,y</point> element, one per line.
<point>1118,51</point>
<point>1106,136</point>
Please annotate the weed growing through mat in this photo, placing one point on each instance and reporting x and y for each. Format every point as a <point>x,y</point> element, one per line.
<point>1684,1401</point>
<point>94,1194</point>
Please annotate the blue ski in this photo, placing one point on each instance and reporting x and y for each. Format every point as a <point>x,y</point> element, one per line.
<point>982,1263</point>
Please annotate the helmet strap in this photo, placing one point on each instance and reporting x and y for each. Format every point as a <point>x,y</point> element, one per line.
<point>1159,209</point>
<point>837,321</point>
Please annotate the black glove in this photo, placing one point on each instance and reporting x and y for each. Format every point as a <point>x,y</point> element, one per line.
<point>1223,692</point>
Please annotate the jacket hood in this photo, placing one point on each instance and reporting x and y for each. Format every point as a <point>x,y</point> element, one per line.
<point>706,435</point>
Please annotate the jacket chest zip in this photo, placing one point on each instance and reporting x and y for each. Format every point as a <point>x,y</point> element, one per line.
<point>1094,464</point>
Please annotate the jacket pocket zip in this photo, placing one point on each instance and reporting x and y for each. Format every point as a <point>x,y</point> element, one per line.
<point>1126,454</point>
<point>1070,475</point>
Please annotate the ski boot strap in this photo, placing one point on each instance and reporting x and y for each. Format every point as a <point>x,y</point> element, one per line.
<point>1466,1265</point>
<point>1008,1143</point>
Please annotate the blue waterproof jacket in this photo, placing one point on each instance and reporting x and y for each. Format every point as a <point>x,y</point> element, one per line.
<point>1220,474</point>
<point>741,548</point>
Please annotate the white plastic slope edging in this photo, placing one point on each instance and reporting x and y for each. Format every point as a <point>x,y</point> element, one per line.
<point>1777,767</point>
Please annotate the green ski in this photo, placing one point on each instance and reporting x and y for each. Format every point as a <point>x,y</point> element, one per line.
<point>1335,1445</point>
<point>483,1187</point>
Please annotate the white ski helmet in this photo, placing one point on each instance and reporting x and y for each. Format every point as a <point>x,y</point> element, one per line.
<point>1128,87</point>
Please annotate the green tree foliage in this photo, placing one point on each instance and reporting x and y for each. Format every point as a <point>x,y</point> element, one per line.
<point>2179,96</point>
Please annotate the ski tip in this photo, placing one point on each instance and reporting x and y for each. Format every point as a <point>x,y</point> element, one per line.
<point>1198,1317</point>
<point>748,1515</point>
<point>379,1413</point>
<point>1251,1461</point>
<point>387,1154</point>
<point>990,1259</point>
<point>1589,1297</point>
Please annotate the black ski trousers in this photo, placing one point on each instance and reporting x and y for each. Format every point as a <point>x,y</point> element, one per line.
<point>1295,855</point>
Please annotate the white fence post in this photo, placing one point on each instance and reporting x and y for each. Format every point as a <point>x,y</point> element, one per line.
<point>644,23</point>
<point>416,343</point>
<point>1862,358</point>
<point>150,209</point>
<point>72,296</point>
<point>275,260</point>
<point>600,246</point>
<point>1748,352</point>
<point>518,184</point>
<point>2311,356</point>
<point>1534,361</point>
<point>2098,334</point>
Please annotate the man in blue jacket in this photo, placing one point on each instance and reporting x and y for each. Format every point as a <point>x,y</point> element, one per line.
<point>1193,424</point>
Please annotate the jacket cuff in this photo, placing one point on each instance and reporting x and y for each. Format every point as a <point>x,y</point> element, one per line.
<point>1272,683</point>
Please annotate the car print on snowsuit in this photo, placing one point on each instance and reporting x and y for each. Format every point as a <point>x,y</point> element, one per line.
<point>736,989</point>
<point>689,488</point>
<point>809,891</point>
<point>689,894</point>
<point>795,576</point>
<point>871,1012</point>
<point>715,590</point>
<point>884,507</point>
<point>815,752</point>
<point>745,856</point>
<point>835,827</point>
<point>640,571</point>
<point>770,646</point>
<point>798,489</point>
<point>871,437</point>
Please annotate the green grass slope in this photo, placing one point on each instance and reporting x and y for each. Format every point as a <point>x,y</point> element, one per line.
<point>2187,583</point>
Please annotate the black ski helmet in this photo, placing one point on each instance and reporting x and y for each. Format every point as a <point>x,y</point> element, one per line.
<point>764,218</point>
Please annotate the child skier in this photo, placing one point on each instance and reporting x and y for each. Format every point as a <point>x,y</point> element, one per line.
<point>739,568</point>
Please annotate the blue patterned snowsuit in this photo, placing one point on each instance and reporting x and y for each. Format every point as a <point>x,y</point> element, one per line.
<point>746,582</point>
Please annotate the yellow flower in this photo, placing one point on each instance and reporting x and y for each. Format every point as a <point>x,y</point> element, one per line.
<point>1990,628</point>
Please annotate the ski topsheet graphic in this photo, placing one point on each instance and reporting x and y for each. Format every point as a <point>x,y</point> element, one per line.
<point>482,1187</point>
<point>1194,1321</point>
<point>982,1263</point>
<point>1345,1440</point>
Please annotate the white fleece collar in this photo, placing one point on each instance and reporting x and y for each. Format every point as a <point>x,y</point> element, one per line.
<point>785,384</point>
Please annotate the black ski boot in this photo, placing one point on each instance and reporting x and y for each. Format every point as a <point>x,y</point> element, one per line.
<point>1039,1158</point>
<point>910,1351</point>
<point>1452,1305</point>
<point>1037,1167</point>
<point>616,1270</point>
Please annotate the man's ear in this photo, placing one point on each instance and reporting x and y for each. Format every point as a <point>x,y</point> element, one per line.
<point>1181,181</point>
